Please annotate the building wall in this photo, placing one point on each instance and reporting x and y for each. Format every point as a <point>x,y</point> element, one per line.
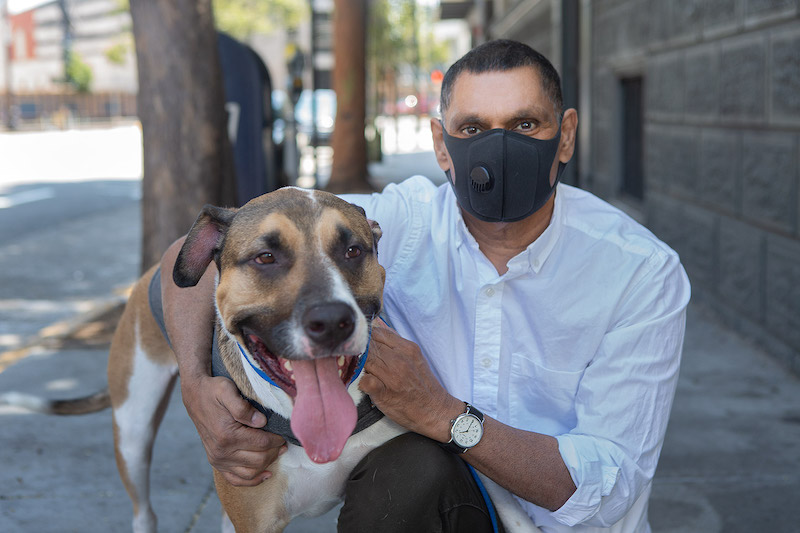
<point>535,23</point>
<point>97,26</point>
<point>721,147</point>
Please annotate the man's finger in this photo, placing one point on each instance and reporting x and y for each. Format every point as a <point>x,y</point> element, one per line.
<point>239,408</point>
<point>371,385</point>
<point>248,460</point>
<point>386,336</point>
<point>255,440</point>
<point>238,481</point>
<point>381,359</point>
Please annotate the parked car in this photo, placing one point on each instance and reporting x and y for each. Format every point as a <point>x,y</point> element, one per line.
<point>325,114</point>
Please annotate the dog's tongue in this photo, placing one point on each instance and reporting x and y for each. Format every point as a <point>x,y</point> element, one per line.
<point>324,415</point>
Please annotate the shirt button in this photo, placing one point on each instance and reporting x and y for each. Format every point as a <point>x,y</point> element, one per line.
<point>486,362</point>
<point>490,292</point>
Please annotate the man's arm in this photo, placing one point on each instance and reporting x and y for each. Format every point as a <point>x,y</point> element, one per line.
<point>400,383</point>
<point>596,472</point>
<point>225,421</point>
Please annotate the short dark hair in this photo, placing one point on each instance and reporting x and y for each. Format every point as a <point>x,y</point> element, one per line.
<point>500,55</point>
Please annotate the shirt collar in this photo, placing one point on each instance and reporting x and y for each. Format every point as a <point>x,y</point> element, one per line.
<point>535,255</point>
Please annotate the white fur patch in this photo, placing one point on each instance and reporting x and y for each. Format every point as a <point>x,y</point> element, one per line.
<point>148,383</point>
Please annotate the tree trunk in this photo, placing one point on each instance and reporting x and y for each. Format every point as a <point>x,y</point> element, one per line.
<point>349,167</point>
<point>187,157</point>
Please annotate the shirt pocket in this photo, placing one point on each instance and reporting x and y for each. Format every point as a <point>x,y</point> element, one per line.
<point>542,399</point>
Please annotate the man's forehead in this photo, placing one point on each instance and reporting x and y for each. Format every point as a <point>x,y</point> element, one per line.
<point>516,93</point>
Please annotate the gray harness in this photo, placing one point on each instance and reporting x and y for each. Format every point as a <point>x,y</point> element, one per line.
<point>368,414</point>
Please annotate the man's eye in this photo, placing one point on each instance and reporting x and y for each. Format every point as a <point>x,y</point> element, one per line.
<point>526,125</point>
<point>265,258</point>
<point>353,252</point>
<point>470,130</point>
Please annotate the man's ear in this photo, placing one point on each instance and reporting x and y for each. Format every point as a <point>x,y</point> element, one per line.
<point>439,148</point>
<point>569,130</point>
<point>201,244</point>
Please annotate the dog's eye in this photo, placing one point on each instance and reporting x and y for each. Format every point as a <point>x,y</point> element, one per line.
<point>353,252</point>
<point>265,258</point>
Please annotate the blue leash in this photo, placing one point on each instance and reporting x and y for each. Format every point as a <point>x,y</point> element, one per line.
<point>489,505</point>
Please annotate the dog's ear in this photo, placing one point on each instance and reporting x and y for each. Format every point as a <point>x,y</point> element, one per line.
<point>203,241</point>
<point>376,229</point>
<point>360,209</point>
<point>377,233</point>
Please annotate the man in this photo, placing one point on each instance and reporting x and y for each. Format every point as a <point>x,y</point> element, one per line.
<point>554,314</point>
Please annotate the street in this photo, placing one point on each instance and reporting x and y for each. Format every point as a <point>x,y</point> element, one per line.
<point>48,273</point>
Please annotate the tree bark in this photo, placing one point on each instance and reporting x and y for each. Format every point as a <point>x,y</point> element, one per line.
<point>349,166</point>
<point>187,157</point>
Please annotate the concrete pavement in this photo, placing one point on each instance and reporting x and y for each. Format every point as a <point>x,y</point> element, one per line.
<point>731,461</point>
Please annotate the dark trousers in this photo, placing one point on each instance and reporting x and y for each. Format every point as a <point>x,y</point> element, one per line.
<point>412,485</point>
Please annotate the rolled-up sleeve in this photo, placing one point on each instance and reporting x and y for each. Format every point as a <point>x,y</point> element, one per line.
<point>625,397</point>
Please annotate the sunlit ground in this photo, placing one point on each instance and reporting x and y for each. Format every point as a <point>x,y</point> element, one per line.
<point>115,152</point>
<point>408,134</point>
<point>110,152</point>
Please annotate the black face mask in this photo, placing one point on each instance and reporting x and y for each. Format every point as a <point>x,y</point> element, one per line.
<point>500,175</point>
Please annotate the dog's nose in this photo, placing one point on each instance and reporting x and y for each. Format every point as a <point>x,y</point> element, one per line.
<point>329,324</point>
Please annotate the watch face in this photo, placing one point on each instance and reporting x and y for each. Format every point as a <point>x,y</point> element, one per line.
<point>467,431</point>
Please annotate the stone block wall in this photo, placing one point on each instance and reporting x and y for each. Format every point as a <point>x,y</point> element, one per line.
<point>721,147</point>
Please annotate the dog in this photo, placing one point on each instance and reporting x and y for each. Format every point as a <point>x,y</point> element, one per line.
<point>298,287</point>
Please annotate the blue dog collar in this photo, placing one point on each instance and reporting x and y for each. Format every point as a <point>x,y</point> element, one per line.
<point>362,359</point>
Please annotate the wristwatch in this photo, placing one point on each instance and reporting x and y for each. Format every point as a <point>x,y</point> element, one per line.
<point>465,431</point>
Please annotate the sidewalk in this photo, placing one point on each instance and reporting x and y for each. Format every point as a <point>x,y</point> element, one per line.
<point>731,461</point>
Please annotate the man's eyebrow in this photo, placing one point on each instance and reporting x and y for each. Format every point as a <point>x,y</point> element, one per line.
<point>457,120</point>
<point>534,111</point>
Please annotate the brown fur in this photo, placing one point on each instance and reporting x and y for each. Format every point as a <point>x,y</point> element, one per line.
<point>249,507</point>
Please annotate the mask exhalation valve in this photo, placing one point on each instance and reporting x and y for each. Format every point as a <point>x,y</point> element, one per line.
<point>481,179</point>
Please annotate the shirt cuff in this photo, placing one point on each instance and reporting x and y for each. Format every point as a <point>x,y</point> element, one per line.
<point>592,478</point>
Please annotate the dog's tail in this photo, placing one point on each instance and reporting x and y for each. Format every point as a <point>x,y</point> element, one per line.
<point>76,406</point>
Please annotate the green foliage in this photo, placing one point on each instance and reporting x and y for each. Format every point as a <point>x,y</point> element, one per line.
<point>117,53</point>
<point>79,74</point>
<point>122,6</point>
<point>401,32</point>
<point>244,18</point>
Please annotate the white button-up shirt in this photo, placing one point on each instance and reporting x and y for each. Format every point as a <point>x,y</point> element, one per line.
<point>580,339</point>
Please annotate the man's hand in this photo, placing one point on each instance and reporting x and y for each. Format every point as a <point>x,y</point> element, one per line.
<point>402,385</point>
<point>230,430</point>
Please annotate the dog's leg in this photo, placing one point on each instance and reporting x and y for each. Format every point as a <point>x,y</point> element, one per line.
<point>259,509</point>
<point>141,376</point>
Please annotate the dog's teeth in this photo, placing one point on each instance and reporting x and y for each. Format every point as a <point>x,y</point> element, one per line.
<point>288,365</point>
<point>341,362</point>
<point>340,372</point>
